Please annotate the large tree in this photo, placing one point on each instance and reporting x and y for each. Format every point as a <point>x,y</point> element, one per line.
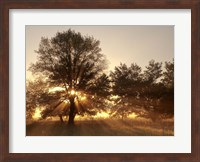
<point>72,61</point>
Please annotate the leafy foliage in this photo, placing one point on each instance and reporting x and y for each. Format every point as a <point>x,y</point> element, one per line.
<point>153,72</point>
<point>149,94</point>
<point>126,80</point>
<point>168,75</point>
<point>70,59</point>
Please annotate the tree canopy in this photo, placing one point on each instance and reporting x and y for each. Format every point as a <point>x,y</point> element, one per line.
<point>70,60</point>
<point>148,94</point>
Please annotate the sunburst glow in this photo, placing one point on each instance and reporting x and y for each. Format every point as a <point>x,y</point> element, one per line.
<point>102,115</point>
<point>132,115</point>
<point>52,90</point>
<point>72,92</point>
<point>37,113</point>
<point>82,98</point>
<point>114,97</point>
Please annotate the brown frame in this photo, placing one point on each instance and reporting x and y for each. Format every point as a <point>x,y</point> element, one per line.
<point>5,5</point>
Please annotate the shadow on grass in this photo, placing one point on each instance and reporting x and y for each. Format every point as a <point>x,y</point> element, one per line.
<point>103,127</point>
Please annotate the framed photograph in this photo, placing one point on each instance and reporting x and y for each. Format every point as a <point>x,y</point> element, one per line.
<point>99,80</point>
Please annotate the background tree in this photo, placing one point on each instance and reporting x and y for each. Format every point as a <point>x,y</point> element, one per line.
<point>126,80</point>
<point>153,72</point>
<point>101,86</point>
<point>148,94</point>
<point>72,61</point>
<point>35,96</point>
<point>168,81</point>
<point>39,97</point>
<point>158,103</point>
<point>151,87</point>
<point>168,75</point>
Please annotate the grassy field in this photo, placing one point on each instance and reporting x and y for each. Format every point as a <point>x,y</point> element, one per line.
<point>102,127</point>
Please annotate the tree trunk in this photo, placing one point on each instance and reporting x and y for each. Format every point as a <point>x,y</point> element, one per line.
<point>61,119</point>
<point>71,112</point>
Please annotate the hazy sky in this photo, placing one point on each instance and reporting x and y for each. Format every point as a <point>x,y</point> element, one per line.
<point>126,44</point>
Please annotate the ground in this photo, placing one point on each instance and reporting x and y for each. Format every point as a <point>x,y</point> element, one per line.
<point>102,127</point>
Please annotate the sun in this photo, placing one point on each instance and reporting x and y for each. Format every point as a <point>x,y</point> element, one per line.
<point>73,92</point>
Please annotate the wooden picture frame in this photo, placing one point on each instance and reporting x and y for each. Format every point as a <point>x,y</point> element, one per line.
<point>5,5</point>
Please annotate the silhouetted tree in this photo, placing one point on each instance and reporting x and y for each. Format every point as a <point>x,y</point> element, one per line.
<point>148,94</point>
<point>153,72</point>
<point>70,60</point>
<point>151,87</point>
<point>126,80</point>
<point>38,96</point>
<point>35,96</point>
<point>168,75</point>
<point>101,86</point>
